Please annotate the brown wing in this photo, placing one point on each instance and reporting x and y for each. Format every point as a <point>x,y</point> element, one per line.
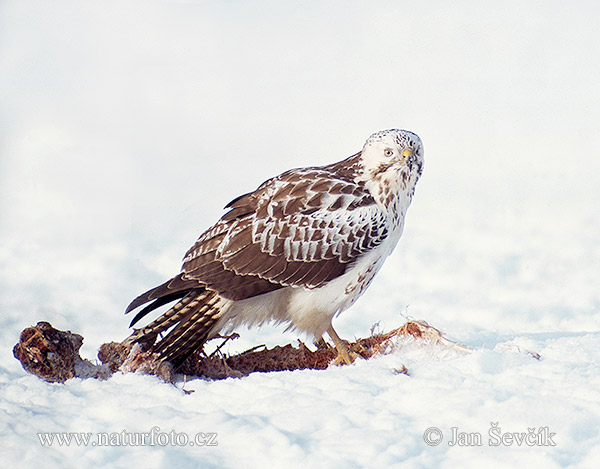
<point>302,228</point>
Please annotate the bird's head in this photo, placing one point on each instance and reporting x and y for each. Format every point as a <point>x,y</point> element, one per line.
<point>394,154</point>
<point>392,164</point>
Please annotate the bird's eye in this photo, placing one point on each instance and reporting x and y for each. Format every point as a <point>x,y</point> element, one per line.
<point>388,152</point>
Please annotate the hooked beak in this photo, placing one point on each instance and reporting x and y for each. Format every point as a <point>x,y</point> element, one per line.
<point>407,157</point>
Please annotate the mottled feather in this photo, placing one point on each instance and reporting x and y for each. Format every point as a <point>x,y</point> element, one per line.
<point>318,229</point>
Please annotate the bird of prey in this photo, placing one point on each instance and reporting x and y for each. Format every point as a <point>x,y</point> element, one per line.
<point>299,250</point>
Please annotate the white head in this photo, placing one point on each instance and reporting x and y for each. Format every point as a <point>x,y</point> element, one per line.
<point>394,158</point>
<point>394,150</point>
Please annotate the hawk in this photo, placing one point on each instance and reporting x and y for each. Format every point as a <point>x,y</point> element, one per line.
<point>299,250</point>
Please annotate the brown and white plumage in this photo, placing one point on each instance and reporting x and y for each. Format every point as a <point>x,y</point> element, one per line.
<point>299,249</point>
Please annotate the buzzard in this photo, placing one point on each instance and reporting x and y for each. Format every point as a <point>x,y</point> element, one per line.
<point>300,249</point>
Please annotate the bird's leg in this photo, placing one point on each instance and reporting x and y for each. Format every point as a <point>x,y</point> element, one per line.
<point>321,343</point>
<point>341,347</point>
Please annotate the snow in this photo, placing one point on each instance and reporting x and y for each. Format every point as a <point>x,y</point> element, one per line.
<point>119,121</point>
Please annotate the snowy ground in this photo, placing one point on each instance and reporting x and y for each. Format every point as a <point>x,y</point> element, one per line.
<point>126,128</point>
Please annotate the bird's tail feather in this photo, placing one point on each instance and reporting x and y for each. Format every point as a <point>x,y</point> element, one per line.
<point>193,318</point>
<point>198,319</point>
<point>174,288</point>
<point>157,304</point>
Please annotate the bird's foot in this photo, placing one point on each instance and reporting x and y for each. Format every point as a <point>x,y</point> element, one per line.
<point>345,358</point>
<point>345,355</point>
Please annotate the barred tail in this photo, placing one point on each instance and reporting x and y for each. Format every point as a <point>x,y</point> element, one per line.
<point>196,320</point>
<point>192,320</point>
